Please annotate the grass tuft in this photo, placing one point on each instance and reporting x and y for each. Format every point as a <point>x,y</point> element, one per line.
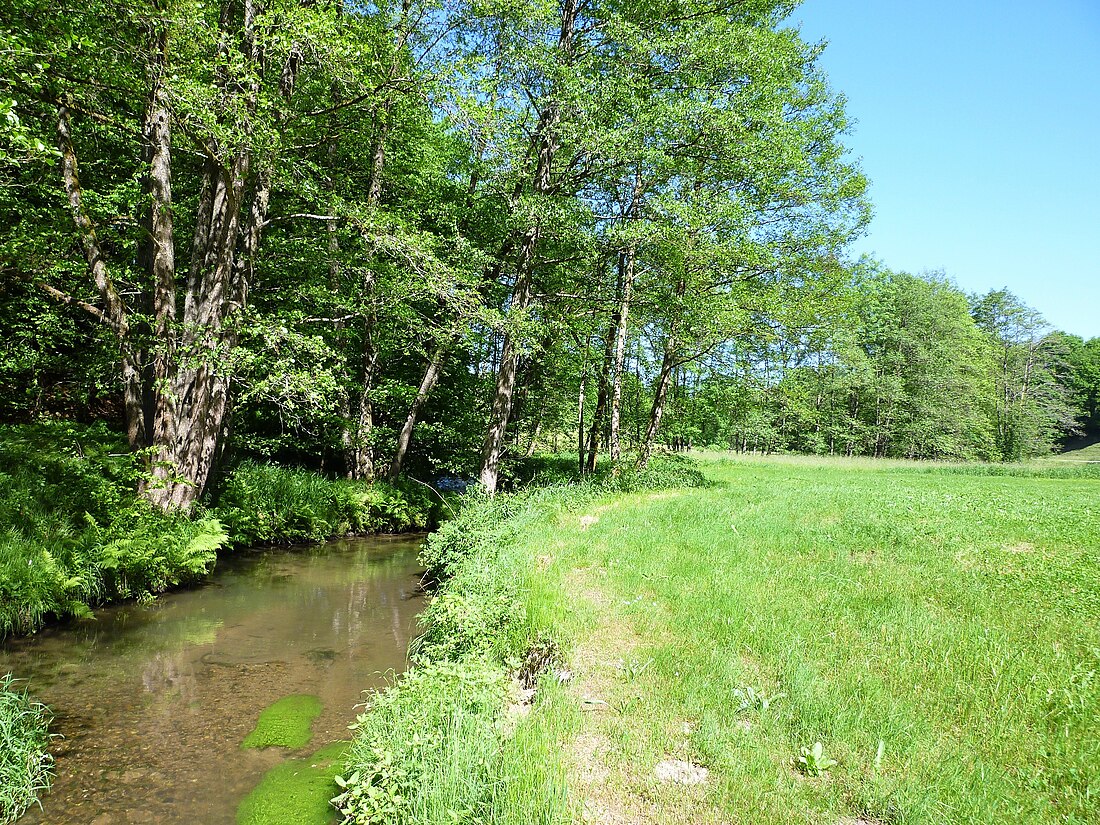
<point>26,766</point>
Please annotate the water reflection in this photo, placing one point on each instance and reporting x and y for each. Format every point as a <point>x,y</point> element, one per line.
<point>153,701</point>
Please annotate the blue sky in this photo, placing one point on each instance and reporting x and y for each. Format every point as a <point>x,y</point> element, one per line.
<point>979,127</point>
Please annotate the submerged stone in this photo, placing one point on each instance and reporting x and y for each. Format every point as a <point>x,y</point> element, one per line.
<point>285,724</point>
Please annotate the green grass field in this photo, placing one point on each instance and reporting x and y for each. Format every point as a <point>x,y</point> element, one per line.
<point>1089,453</point>
<point>935,628</point>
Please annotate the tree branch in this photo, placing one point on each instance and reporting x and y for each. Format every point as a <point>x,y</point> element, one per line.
<point>115,312</point>
<point>70,300</point>
<point>303,216</point>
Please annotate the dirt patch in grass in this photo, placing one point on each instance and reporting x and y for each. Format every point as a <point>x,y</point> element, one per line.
<point>599,781</point>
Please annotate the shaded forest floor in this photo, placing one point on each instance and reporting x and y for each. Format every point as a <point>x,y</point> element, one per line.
<point>936,629</point>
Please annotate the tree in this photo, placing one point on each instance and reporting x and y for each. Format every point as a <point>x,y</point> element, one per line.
<point>1082,378</point>
<point>1032,408</point>
<point>216,88</point>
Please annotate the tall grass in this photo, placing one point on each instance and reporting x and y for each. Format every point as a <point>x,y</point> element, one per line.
<point>25,763</point>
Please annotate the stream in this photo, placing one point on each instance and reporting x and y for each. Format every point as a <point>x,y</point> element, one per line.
<point>153,701</point>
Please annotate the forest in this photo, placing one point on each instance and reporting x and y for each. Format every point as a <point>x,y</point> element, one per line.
<point>427,236</point>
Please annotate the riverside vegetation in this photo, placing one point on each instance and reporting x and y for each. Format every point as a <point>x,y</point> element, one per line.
<point>25,764</point>
<point>77,534</point>
<point>834,640</point>
<point>244,241</point>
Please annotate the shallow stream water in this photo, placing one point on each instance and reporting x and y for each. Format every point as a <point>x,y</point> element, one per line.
<point>153,701</point>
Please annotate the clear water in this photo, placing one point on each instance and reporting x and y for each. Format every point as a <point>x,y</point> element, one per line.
<point>153,701</point>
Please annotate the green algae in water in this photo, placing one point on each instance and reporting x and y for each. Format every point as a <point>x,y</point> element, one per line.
<point>285,724</point>
<point>298,791</point>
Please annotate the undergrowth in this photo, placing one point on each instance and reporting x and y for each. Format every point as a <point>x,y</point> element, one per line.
<point>73,532</point>
<point>269,504</point>
<point>25,764</point>
<point>433,746</point>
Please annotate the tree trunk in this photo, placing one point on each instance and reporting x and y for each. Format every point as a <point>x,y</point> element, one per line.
<point>544,141</point>
<point>224,251</point>
<point>200,389</point>
<point>115,313</point>
<point>599,414</point>
<point>620,319</point>
<point>162,263</point>
<point>362,464</point>
<point>187,385</point>
<point>427,384</point>
<point>493,448</point>
<point>581,463</point>
<point>657,410</point>
<point>668,367</point>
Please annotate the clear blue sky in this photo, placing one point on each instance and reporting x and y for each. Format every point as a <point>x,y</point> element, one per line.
<point>979,127</point>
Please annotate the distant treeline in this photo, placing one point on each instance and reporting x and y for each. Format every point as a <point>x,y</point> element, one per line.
<point>913,368</point>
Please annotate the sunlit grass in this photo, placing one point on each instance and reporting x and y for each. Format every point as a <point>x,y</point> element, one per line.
<point>26,767</point>
<point>951,615</point>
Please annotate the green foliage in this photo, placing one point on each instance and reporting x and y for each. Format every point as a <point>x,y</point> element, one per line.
<point>1082,378</point>
<point>813,761</point>
<point>75,533</point>
<point>26,766</point>
<point>750,699</point>
<point>149,552</point>
<point>266,503</point>
<point>1032,406</point>
<point>426,750</point>
<point>285,724</point>
<point>297,791</point>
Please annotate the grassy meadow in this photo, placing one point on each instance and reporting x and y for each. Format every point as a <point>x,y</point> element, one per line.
<point>1089,453</point>
<point>935,628</point>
